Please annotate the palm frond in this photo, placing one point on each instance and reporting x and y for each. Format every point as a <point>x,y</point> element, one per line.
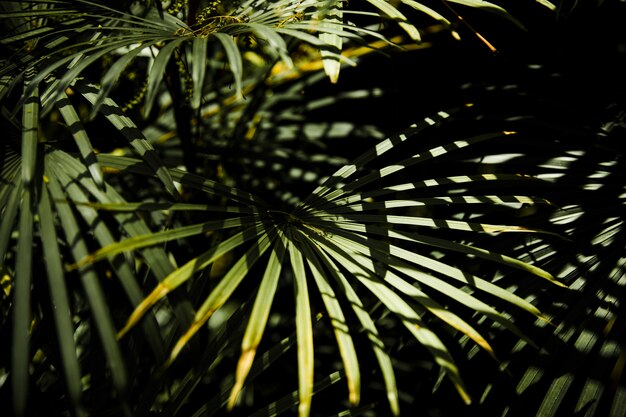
<point>328,229</point>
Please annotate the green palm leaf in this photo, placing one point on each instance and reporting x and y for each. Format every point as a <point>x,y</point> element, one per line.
<point>23,268</point>
<point>317,232</point>
<point>331,11</point>
<point>59,296</point>
<point>339,323</point>
<point>370,234</point>
<point>130,131</point>
<point>259,316</point>
<point>93,290</point>
<point>304,331</point>
<point>81,138</point>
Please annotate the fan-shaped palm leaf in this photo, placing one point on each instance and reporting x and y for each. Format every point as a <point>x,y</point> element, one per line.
<point>343,251</point>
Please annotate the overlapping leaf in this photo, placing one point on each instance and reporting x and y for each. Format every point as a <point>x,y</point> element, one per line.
<point>330,242</point>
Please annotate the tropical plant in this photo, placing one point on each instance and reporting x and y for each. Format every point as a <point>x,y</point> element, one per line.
<point>168,163</point>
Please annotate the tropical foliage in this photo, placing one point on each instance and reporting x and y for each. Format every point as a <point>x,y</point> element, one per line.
<point>202,213</point>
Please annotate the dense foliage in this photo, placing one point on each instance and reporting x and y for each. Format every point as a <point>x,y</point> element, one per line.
<point>264,207</point>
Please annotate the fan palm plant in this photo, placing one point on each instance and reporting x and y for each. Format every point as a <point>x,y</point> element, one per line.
<point>389,230</point>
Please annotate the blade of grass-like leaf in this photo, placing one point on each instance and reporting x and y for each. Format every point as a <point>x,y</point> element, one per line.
<point>434,182</point>
<point>186,179</point>
<point>142,241</point>
<point>10,169</point>
<point>338,321</point>
<point>268,358</point>
<point>80,138</point>
<point>427,10</point>
<point>79,64</point>
<point>126,127</point>
<point>453,272</point>
<point>439,223</point>
<point>155,257</point>
<point>135,207</point>
<point>344,30</point>
<point>303,36</point>
<point>75,64</point>
<point>437,201</point>
<point>131,223</point>
<point>185,272</point>
<point>368,250</point>
<point>166,23</point>
<point>42,32</point>
<point>452,246</point>
<point>398,17</point>
<point>331,51</point>
<point>5,83</point>
<point>112,75</point>
<point>304,331</point>
<point>20,358</point>
<point>90,281</point>
<point>225,288</point>
<point>22,60</point>
<point>365,255</point>
<point>348,170</point>
<point>205,185</point>
<point>258,320</point>
<point>104,236</point>
<point>409,317</point>
<point>23,269</point>
<point>384,361</point>
<point>156,73</point>
<point>30,137</point>
<point>274,40</point>
<point>415,159</point>
<point>547,4</point>
<point>234,59</point>
<point>8,216</point>
<point>61,310</point>
<point>198,70</point>
<point>37,13</point>
<point>222,338</point>
<point>490,7</point>
<point>356,411</point>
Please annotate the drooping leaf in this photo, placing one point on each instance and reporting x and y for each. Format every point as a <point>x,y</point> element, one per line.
<point>59,297</point>
<point>127,127</point>
<point>80,138</point>
<point>390,11</point>
<point>331,49</point>
<point>258,319</point>
<point>90,282</point>
<point>304,331</point>
<point>340,326</point>
<point>222,292</point>
<point>234,59</point>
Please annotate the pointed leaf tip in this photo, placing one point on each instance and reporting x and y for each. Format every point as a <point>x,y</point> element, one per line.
<point>159,292</point>
<point>183,340</point>
<point>243,367</point>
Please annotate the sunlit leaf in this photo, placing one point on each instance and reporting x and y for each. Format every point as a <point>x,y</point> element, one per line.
<point>222,293</point>
<point>304,331</point>
<point>258,321</point>
<point>395,15</point>
<point>339,323</point>
<point>331,11</point>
